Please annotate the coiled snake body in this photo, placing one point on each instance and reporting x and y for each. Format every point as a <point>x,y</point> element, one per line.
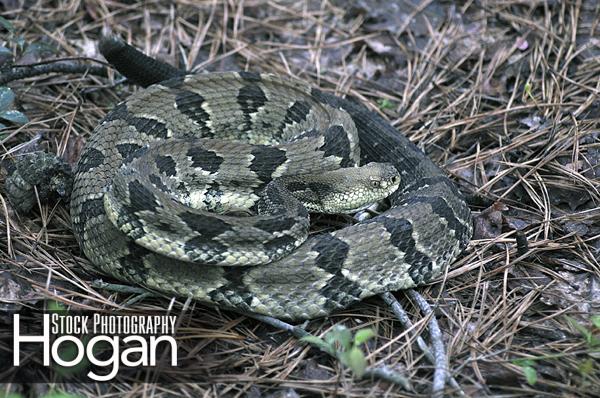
<point>426,227</point>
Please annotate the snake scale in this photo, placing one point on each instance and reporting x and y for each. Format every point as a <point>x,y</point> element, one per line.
<point>186,130</point>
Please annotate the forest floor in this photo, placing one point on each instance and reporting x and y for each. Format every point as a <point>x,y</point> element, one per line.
<point>503,94</point>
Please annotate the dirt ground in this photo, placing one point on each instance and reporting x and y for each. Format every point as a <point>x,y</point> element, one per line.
<point>503,94</point>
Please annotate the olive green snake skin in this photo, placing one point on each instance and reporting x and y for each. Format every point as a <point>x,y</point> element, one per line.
<point>249,128</point>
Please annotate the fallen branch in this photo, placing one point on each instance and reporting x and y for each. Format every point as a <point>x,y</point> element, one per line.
<point>22,72</point>
<point>439,352</point>
<point>407,324</point>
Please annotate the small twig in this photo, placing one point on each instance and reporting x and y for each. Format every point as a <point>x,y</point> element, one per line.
<point>118,288</point>
<point>407,324</point>
<point>522,244</point>
<point>90,90</point>
<point>140,293</point>
<point>386,374</point>
<point>29,71</point>
<point>439,352</point>
<point>295,331</point>
<point>138,298</point>
<point>382,373</point>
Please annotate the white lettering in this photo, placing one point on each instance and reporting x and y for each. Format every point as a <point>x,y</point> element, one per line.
<point>18,339</point>
<point>114,359</point>
<point>142,350</point>
<point>154,342</point>
<point>80,351</point>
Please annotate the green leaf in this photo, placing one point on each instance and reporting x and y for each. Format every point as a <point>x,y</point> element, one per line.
<point>60,395</point>
<point>14,116</point>
<point>341,335</point>
<point>596,321</point>
<point>530,375</point>
<point>524,362</point>
<point>356,361</point>
<point>6,24</point>
<point>56,306</point>
<point>528,89</point>
<point>5,50</point>
<point>7,98</point>
<point>363,335</point>
<point>385,104</point>
<point>317,342</point>
<point>586,367</point>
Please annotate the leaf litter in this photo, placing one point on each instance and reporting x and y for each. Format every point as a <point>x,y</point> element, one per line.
<point>503,95</point>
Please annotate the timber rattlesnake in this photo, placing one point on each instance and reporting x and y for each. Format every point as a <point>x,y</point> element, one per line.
<point>426,227</point>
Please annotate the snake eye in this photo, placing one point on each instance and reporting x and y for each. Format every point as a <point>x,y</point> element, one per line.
<point>375,183</point>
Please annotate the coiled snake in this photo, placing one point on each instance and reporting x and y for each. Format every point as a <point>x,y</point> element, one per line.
<point>170,152</point>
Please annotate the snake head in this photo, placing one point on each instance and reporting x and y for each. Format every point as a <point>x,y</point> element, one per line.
<point>382,177</point>
<point>370,183</point>
<point>345,190</point>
